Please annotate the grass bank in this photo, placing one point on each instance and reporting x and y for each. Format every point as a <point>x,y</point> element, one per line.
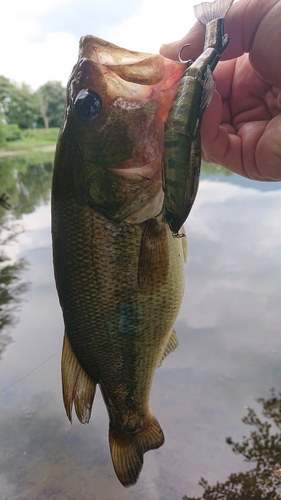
<point>31,139</point>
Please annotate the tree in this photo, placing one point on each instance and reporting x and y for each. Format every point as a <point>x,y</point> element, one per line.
<point>24,108</point>
<point>51,98</point>
<point>18,105</point>
<point>263,449</point>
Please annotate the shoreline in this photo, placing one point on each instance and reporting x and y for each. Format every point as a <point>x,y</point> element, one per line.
<point>47,149</point>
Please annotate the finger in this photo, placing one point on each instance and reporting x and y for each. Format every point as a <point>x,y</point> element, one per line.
<point>247,152</point>
<point>220,143</point>
<point>268,151</point>
<point>195,38</point>
<point>241,23</point>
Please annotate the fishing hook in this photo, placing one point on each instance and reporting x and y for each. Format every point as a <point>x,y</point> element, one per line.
<point>189,61</point>
<point>178,235</point>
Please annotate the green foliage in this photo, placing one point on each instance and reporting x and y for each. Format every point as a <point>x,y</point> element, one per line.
<point>51,97</point>
<point>30,139</point>
<point>2,133</point>
<point>13,133</point>
<point>41,134</point>
<point>263,449</point>
<point>9,133</point>
<point>20,106</point>
<point>23,108</point>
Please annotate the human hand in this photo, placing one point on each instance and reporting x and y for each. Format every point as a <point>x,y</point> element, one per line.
<point>241,128</point>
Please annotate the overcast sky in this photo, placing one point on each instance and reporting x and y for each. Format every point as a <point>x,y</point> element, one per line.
<point>39,39</point>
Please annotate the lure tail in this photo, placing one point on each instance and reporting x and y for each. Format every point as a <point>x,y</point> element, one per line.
<point>208,11</point>
<point>212,16</point>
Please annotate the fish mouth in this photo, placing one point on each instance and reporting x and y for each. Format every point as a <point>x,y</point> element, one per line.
<point>127,194</point>
<point>153,197</point>
<point>151,170</point>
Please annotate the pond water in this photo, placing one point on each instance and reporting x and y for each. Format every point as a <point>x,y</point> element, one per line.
<point>229,354</point>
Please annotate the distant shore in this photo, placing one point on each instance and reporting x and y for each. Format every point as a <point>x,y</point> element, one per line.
<point>31,141</point>
<point>46,149</point>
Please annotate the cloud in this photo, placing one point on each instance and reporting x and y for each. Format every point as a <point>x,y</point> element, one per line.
<point>39,40</point>
<point>27,53</point>
<point>152,25</point>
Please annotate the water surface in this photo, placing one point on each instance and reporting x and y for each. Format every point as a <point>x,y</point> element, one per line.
<point>229,353</point>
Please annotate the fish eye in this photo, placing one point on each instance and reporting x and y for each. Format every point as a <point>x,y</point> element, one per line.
<point>87,104</point>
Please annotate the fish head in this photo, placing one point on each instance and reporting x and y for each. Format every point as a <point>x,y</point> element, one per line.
<point>117,103</point>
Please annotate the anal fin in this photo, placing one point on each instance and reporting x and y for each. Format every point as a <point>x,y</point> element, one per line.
<point>172,344</point>
<point>127,452</point>
<point>77,386</point>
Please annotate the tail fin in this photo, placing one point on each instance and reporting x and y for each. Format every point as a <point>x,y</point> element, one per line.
<point>127,453</point>
<point>77,386</point>
<point>207,11</point>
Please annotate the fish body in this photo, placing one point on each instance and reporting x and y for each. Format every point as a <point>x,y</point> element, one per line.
<point>119,271</point>
<point>182,129</point>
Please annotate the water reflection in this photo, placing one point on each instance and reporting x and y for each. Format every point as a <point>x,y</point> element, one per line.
<point>28,182</point>
<point>11,289</point>
<point>11,285</point>
<point>4,201</point>
<point>262,448</point>
<point>229,354</point>
<point>27,179</point>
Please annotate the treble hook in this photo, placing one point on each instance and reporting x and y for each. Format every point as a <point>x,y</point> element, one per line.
<point>189,61</point>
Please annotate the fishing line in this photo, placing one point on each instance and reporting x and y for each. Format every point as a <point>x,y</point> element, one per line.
<point>17,381</point>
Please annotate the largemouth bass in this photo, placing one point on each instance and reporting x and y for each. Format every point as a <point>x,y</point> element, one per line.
<point>119,269</point>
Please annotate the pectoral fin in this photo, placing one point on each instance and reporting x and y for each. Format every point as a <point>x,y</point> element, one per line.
<point>77,386</point>
<point>154,256</point>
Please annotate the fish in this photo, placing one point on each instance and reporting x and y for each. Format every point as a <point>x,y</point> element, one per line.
<point>118,268</point>
<point>182,142</point>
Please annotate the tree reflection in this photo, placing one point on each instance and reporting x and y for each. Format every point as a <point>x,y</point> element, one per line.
<point>263,449</point>
<point>214,169</point>
<point>11,287</point>
<point>4,201</point>
<point>27,179</point>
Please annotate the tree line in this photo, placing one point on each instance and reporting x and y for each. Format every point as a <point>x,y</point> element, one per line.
<point>21,108</point>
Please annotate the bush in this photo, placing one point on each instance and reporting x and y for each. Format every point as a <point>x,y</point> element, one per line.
<point>2,133</point>
<point>12,132</point>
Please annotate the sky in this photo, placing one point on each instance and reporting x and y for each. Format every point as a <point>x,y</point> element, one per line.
<point>39,39</point>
